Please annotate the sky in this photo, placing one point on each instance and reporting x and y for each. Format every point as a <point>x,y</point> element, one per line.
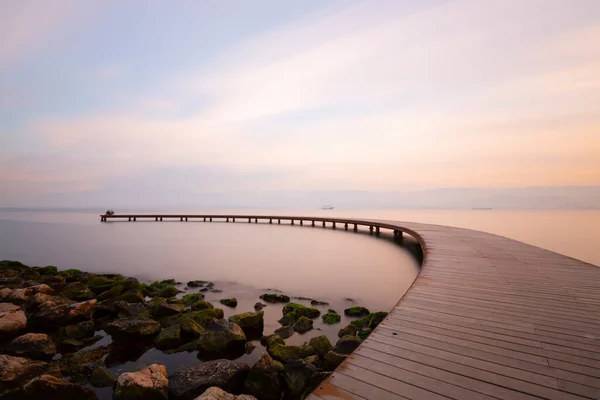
<point>149,100</point>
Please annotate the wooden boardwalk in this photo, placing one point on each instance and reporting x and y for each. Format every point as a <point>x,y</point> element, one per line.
<point>487,318</point>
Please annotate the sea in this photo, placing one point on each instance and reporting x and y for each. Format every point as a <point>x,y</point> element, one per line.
<point>245,260</point>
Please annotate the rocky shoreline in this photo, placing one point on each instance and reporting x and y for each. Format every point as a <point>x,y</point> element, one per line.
<point>51,324</point>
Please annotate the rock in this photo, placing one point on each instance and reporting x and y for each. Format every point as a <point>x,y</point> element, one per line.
<point>232,302</point>
<point>364,333</point>
<point>114,291</point>
<point>48,270</point>
<point>349,330</point>
<point>321,344</point>
<point>81,364</point>
<point>304,324</point>
<point>14,371</point>
<point>80,330</point>
<point>332,360</point>
<point>250,347</point>
<point>55,282</point>
<point>189,383</point>
<point>32,345</point>
<point>252,323</point>
<point>375,319</point>
<point>150,383</point>
<point>286,354</point>
<point>131,283</point>
<point>101,284</point>
<point>168,338</point>
<point>301,310</point>
<point>314,360</point>
<point>165,309</point>
<point>347,344</point>
<point>12,322</point>
<point>61,313</point>
<point>125,309</point>
<point>133,328</point>
<point>221,338</point>
<point>285,331</point>
<point>296,376</point>
<point>50,387</point>
<point>6,307</point>
<point>196,283</point>
<point>168,291</point>
<point>191,298</point>
<point>259,306</point>
<point>132,296</point>
<point>356,312</point>
<point>16,296</point>
<point>201,305</point>
<point>318,303</point>
<point>263,380</point>
<point>331,318</point>
<point>215,393</point>
<point>77,291</point>
<point>271,340</point>
<point>101,377</point>
<point>190,328</point>
<point>275,298</point>
<point>316,380</point>
<point>41,288</point>
<point>288,319</point>
<point>202,317</point>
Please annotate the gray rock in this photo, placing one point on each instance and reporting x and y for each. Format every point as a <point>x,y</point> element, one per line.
<point>12,322</point>
<point>32,345</point>
<point>221,338</point>
<point>263,380</point>
<point>133,328</point>
<point>296,376</point>
<point>50,387</point>
<point>150,383</point>
<point>214,393</point>
<point>14,371</point>
<point>347,344</point>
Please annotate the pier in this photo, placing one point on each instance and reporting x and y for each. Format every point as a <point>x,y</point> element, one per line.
<point>486,318</point>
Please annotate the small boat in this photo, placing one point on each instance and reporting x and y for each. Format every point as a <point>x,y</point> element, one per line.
<point>328,207</point>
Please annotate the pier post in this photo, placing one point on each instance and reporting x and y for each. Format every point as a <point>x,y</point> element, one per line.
<point>278,222</point>
<point>234,220</point>
<point>156,219</point>
<point>355,228</point>
<point>204,219</point>
<point>333,225</point>
<point>227,220</point>
<point>181,219</point>
<point>129,219</point>
<point>249,220</point>
<point>256,220</point>
<point>292,222</point>
<point>371,230</point>
<point>270,220</point>
<point>313,223</point>
<point>377,231</point>
<point>186,219</point>
<point>346,226</point>
<point>161,219</point>
<point>135,218</point>
<point>323,224</point>
<point>301,222</point>
<point>210,219</point>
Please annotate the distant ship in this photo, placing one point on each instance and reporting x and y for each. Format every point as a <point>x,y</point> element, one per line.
<point>328,207</point>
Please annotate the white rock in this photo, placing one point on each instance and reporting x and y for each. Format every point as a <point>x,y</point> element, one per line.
<point>215,393</point>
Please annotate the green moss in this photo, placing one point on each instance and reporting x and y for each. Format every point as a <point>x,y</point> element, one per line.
<point>115,291</point>
<point>132,296</point>
<point>331,318</point>
<point>48,270</point>
<point>201,305</point>
<point>288,319</point>
<point>304,324</point>
<point>168,291</point>
<point>364,333</point>
<point>231,302</point>
<point>271,340</point>
<point>301,310</point>
<point>101,377</point>
<point>168,338</point>
<point>350,329</point>
<point>321,344</point>
<point>191,298</point>
<point>201,317</point>
<point>190,328</point>
<point>287,354</point>
<point>332,360</point>
<point>356,312</point>
<point>376,318</point>
<point>275,298</point>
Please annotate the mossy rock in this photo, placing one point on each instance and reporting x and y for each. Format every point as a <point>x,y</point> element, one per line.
<point>80,330</point>
<point>376,318</point>
<point>304,324</point>
<point>356,312</point>
<point>231,302</point>
<point>288,319</point>
<point>270,340</point>
<point>114,291</point>
<point>201,305</point>
<point>314,360</point>
<point>80,365</point>
<point>321,344</point>
<point>100,284</point>
<point>285,331</point>
<point>252,323</point>
<point>347,344</point>
<point>287,354</point>
<point>332,360</point>
<point>77,291</point>
<point>166,309</point>
<point>301,310</point>
<point>168,338</point>
<point>221,338</point>
<point>168,291</point>
<point>131,283</point>
<point>331,318</point>
<point>348,330</point>
<point>190,328</point>
<point>191,298</point>
<point>48,270</point>
<point>202,317</point>
<point>132,296</point>
<point>101,377</point>
<point>275,298</point>
<point>364,333</point>
<point>196,283</point>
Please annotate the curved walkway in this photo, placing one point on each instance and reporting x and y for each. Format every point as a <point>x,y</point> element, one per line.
<point>487,318</point>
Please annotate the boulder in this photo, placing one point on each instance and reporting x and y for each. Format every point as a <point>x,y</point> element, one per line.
<point>41,288</point>
<point>375,319</point>
<point>321,344</point>
<point>6,307</point>
<point>125,309</point>
<point>166,309</point>
<point>356,312</point>
<point>202,317</point>
<point>48,270</point>
<point>114,291</point>
<point>332,360</point>
<point>133,328</point>
<point>100,284</point>
<point>201,305</point>
<point>286,354</point>
<point>259,306</point>
<point>275,298</point>
<point>12,322</point>
<point>150,383</point>
<point>196,283</point>
<point>364,333</point>
<point>349,330</point>
<point>81,364</point>
<point>80,330</point>
<point>215,393</point>
<point>54,281</point>
<point>132,296</point>
<point>347,344</point>
<point>316,380</point>
<point>318,303</point>
<point>17,296</point>
<point>55,312</point>
<point>168,291</point>
<point>168,338</point>
<point>296,376</point>
<point>191,298</point>
<point>77,291</point>
<point>304,324</point>
<point>14,371</point>
<point>314,360</point>
<point>221,338</point>
<point>189,383</point>
<point>50,387</point>
<point>252,323</point>
<point>270,340</point>
<point>249,348</point>
<point>301,310</point>
<point>263,380</point>
<point>190,329</point>
<point>285,331</point>
<point>331,318</point>
<point>231,302</point>
<point>32,345</point>
<point>101,377</point>
<point>288,319</point>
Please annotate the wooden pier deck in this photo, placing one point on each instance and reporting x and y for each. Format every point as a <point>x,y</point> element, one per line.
<point>487,318</point>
